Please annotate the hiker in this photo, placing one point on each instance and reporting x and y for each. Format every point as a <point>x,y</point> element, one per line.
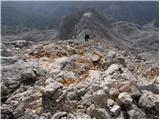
<point>86,37</point>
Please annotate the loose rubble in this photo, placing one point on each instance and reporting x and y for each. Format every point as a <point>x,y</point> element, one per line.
<point>75,79</point>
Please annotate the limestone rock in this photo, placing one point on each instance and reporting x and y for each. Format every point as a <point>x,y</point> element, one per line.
<point>136,113</point>
<point>113,92</point>
<point>95,58</point>
<point>130,88</point>
<point>100,99</point>
<point>28,78</point>
<point>110,102</point>
<point>87,99</point>
<point>51,86</point>
<point>100,113</point>
<point>149,100</point>
<point>115,110</point>
<point>125,98</point>
<point>152,86</point>
<point>52,91</point>
<point>112,68</point>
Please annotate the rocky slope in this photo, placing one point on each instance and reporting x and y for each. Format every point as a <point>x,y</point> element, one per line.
<point>76,79</point>
<point>138,39</point>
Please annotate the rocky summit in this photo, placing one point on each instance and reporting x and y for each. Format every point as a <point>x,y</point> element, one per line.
<point>115,75</point>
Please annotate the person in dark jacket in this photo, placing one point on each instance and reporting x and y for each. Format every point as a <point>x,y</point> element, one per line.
<point>86,37</point>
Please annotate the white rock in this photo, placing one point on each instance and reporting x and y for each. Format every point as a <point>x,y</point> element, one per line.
<point>87,99</point>
<point>95,87</point>
<point>111,55</point>
<point>51,85</point>
<point>110,102</point>
<point>128,75</point>
<point>112,68</point>
<point>115,110</point>
<point>59,63</point>
<point>94,76</point>
<point>125,98</point>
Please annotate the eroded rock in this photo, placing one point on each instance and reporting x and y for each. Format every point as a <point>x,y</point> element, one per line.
<point>100,99</point>
<point>148,100</point>
<point>125,99</point>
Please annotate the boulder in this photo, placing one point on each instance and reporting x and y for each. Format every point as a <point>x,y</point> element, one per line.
<point>51,86</point>
<point>71,94</point>
<point>94,58</point>
<point>52,91</point>
<point>125,99</point>
<point>100,99</point>
<point>87,99</point>
<point>115,110</point>
<point>148,100</point>
<point>112,69</point>
<point>152,86</point>
<point>131,88</point>
<point>136,113</point>
<point>110,102</point>
<point>113,92</point>
<point>100,113</point>
<point>94,76</point>
<point>11,74</point>
<point>127,75</point>
<point>59,63</point>
<point>95,86</point>
<point>28,78</point>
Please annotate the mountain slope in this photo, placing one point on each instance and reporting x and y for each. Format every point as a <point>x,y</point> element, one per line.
<point>126,35</point>
<point>76,79</point>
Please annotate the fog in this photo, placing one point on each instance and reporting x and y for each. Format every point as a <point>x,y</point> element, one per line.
<point>49,14</point>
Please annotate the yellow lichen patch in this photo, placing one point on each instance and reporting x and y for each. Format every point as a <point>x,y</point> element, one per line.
<point>67,81</point>
<point>152,72</point>
<point>82,77</point>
